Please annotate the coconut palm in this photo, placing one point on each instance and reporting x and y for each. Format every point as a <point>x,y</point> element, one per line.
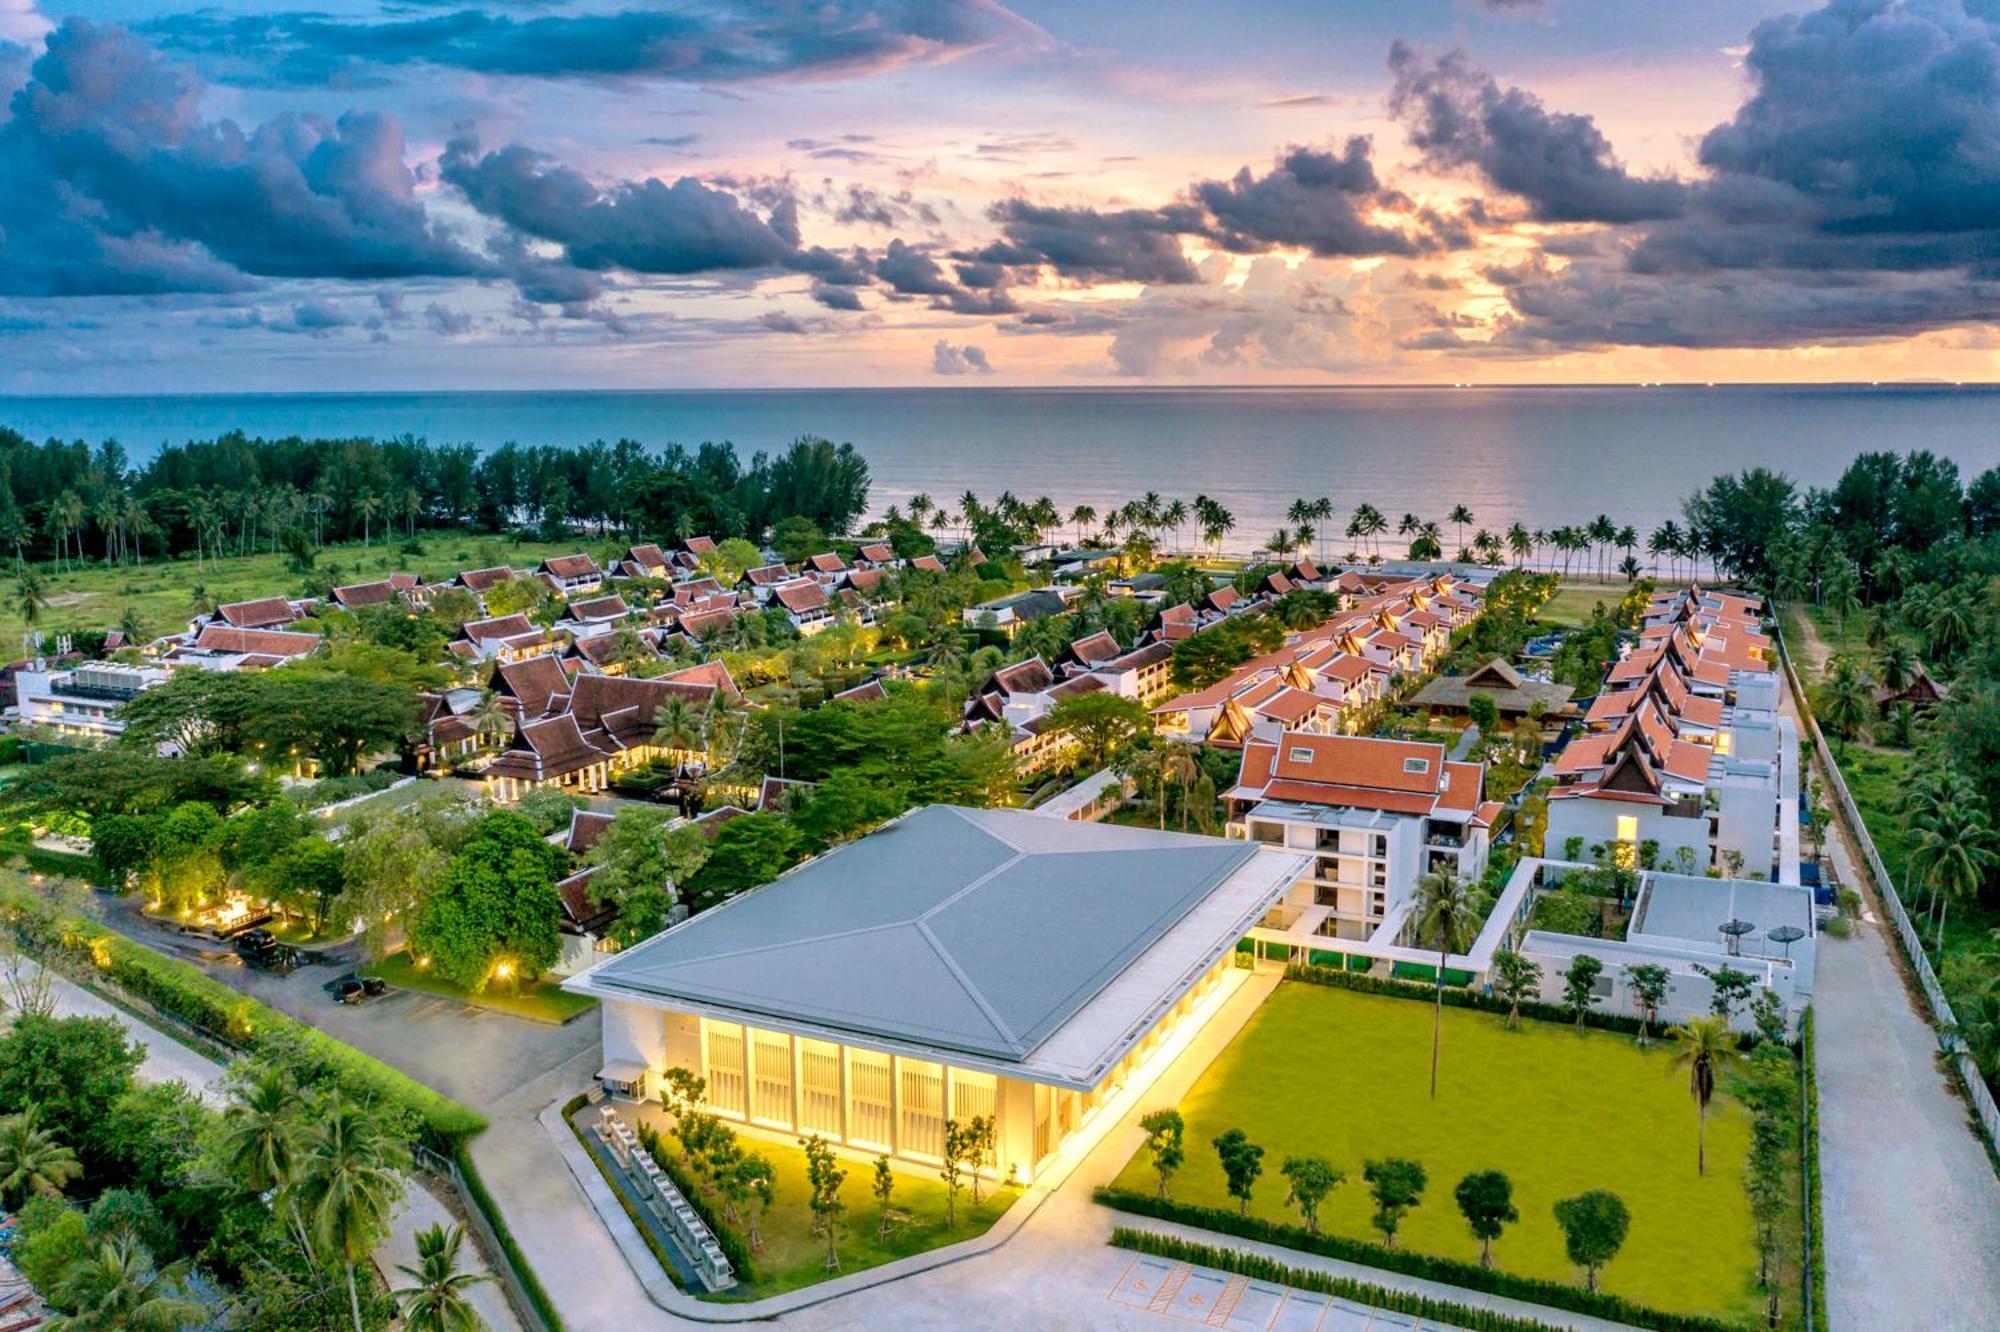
<point>1703,1045</point>
<point>1447,918</point>
<point>32,1163</point>
<point>1521,542</point>
<point>1948,628</point>
<point>436,1301</point>
<point>1459,517</point>
<point>1895,665</point>
<point>678,725</point>
<point>1952,854</point>
<point>1601,534</point>
<point>30,596</point>
<point>1845,699</point>
<point>1280,542</point>
<point>1083,515</point>
<point>116,1289</point>
<point>261,1131</point>
<point>488,717</point>
<point>349,1179</point>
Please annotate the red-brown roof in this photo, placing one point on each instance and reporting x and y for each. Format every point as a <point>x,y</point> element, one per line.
<point>480,580</point>
<point>571,566</point>
<point>263,613</point>
<point>270,642</point>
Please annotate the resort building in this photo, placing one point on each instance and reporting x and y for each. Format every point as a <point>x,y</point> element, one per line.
<point>84,701</point>
<point>1007,614</point>
<point>1374,815</point>
<point>585,732</point>
<point>570,574</point>
<point>955,963</point>
<point>805,604</point>
<point>1513,694</point>
<point>1685,759</point>
<point>220,648</point>
<point>1020,697</point>
<point>399,587</point>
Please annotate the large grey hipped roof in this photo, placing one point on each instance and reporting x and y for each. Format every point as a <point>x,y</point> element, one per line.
<point>981,931</point>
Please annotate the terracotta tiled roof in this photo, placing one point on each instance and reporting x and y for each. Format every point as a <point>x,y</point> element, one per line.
<point>375,594</point>
<point>869,691</point>
<point>928,563</point>
<point>700,624</point>
<point>571,566</point>
<point>585,827</point>
<point>768,575</point>
<point>533,683</point>
<point>648,556</point>
<point>612,607</point>
<point>875,552</point>
<point>827,563</point>
<point>481,580</point>
<point>500,626</point>
<point>699,545</point>
<point>712,674</point>
<point>269,642</point>
<point>263,613</point>
<point>801,597</point>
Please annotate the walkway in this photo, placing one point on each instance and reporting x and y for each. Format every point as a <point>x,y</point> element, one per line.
<point>167,1060</point>
<point>1910,1201</point>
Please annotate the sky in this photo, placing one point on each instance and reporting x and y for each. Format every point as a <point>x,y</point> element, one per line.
<point>211,195</point>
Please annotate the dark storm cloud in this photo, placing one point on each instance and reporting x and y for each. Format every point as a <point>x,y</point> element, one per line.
<point>1854,195</point>
<point>912,272</point>
<point>1559,163</point>
<point>1311,199</point>
<point>1090,245</point>
<point>722,42</point>
<point>112,183</point>
<point>645,226</point>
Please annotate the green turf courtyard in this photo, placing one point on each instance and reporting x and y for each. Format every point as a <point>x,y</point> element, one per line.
<point>1345,1076</point>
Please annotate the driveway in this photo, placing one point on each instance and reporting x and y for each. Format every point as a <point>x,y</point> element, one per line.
<point>1910,1200</point>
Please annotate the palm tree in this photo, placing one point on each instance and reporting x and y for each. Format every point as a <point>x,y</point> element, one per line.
<point>1459,516</point>
<point>1172,763</point>
<point>369,505</point>
<point>1666,540</point>
<point>116,1289</point>
<point>32,1163</point>
<point>677,725</point>
<point>1521,542</point>
<point>1948,629</point>
<point>1280,542</point>
<point>1601,533</point>
<point>261,1132</point>
<point>1173,516</point>
<point>489,717</point>
<point>1083,515</point>
<point>437,1302</point>
<point>1953,853</point>
<point>1703,1045</point>
<point>1845,699</point>
<point>30,596</point>
<point>1447,918</point>
<point>1895,665</point>
<point>348,1182</point>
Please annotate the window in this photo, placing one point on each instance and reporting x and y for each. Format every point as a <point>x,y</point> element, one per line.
<point>922,1086</point>
<point>868,1081</point>
<point>774,1077</point>
<point>1301,754</point>
<point>1416,765</point>
<point>819,1088</point>
<point>972,1095</point>
<point>724,1041</point>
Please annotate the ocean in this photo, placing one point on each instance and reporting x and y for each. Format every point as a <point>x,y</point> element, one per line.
<point>1541,456</point>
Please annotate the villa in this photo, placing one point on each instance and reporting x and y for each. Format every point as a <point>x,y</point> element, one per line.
<point>570,574</point>
<point>84,701</point>
<point>1376,815</point>
<point>1685,757</point>
<point>954,963</point>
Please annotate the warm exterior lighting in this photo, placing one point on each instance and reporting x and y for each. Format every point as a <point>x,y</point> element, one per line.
<point>423,964</point>
<point>503,970</point>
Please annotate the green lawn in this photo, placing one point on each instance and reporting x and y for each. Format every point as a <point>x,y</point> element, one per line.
<point>160,593</point>
<point>1345,1076</point>
<point>1576,598</point>
<point>792,1256</point>
<point>543,1001</point>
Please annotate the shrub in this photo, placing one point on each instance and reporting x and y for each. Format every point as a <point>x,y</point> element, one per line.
<point>182,991</point>
<point>1259,1268</point>
<point>1471,1276</point>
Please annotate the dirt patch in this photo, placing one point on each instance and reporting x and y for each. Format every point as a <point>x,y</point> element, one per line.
<point>69,599</point>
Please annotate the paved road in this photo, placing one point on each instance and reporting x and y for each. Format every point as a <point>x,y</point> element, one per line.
<point>1910,1201</point>
<point>167,1060</point>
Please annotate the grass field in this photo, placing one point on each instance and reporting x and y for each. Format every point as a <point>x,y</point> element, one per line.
<point>161,592</point>
<point>792,1256</point>
<point>1575,599</point>
<point>544,1001</point>
<point>1345,1076</point>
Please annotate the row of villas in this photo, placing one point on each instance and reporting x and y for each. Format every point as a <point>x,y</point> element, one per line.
<point>1325,680</point>
<point>1684,756</point>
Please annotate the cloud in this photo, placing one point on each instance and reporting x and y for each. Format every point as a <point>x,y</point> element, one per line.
<point>645,226</point>
<point>1089,245</point>
<point>446,322</point>
<point>112,183</point>
<point>1309,200</point>
<point>863,205</point>
<point>958,359</point>
<point>912,272</point>
<point>777,321</point>
<point>317,318</point>
<point>1559,163</point>
<point>1853,196</point>
<point>727,41</point>
<point>21,23</point>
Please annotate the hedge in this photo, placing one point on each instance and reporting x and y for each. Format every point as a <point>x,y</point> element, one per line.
<point>1257,1267</point>
<point>531,1285</point>
<point>1815,1227</point>
<point>734,1247</point>
<point>1429,1267</point>
<point>183,991</point>
<point>1456,998</point>
<point>69,864</point>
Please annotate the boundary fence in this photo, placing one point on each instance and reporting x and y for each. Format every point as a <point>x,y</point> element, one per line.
<point>1946,1022</point>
